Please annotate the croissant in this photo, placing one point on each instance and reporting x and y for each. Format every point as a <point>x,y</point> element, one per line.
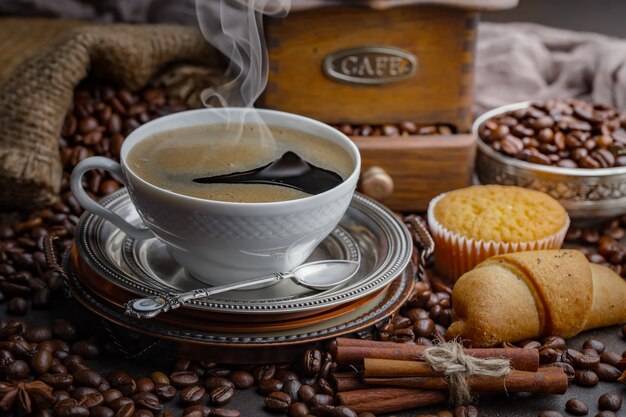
<point>527,295</point>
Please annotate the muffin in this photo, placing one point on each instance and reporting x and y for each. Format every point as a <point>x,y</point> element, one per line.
<point>472,224</point>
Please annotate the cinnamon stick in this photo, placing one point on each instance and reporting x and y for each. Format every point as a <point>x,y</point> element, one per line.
<point>350,351</point>
<point>390,400</point>
<point>347,381</point>
<point>551,381</point>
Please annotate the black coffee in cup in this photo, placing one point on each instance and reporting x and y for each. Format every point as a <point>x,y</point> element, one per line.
<point>173,159</point>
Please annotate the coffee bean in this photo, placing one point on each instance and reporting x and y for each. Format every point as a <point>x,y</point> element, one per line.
<point>38,334</point>
<point>291,388</point>
<point>91,400</point>
<point>101,411</point>
<point>241,379</point>
<point>424,327</point>
<point>62,395</point>
<point>41,361</point>
<point>610,401</point>
<point>181,379</point>
<point>219,372</point>
<point>19,348</point>
<point>17,306</point>
<point>57,381</point>
<point>607,373</point>
<point>586,361</point>
<point>342,411</point>
<point>87,377</point>
<point>312,361</point>
<point>70,410</point>
<point>320,399</point>
<point>298,409</point>
<point>596,345</point>
<point>6,357</point>
<point>216,382</point>
<point>14,327</point>
<point>278,401</point>
<point>264,372</point>
<point>86,349</point>
<point>404,335</point>
<point>324,387</point>
<point>159,378</point>
<point>267,386</point>
<point>285,375</point>
<point>306,392</point>
<point>123,382</point>
<point>576,407</point>
<point>585,378</point>
<point>192,394</point>
<point>111,395</point>
<point>610,358</point>
<point>221,395</point>
<point>148,401</point>
<point>127,410</point>
<point>550,413</point>
<point>164,392</point>
<point>17,369</point>
<point>79,392</point>
<point>548,355</point>
<point>511,145</point>
<point>605,413</point>
<point>41,298</point>
<point>224,412</point>
<point>201,410</point>
<point>465,411</point>
<point>144,384</point>
<point>400,322</point>
<point>144,413</point>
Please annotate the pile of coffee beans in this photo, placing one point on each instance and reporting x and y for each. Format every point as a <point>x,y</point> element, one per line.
<point>562,133</point>
<point>394,130</point>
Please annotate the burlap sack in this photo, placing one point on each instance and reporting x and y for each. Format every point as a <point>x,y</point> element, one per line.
<point>36,96</point>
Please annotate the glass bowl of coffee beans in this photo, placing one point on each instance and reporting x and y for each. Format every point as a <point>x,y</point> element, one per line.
<point>573,150</point>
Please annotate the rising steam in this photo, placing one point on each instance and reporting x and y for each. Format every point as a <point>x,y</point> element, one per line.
<point>235,28</point>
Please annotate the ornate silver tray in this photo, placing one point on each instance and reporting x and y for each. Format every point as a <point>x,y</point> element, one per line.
<point>368,232</point>
<point>368,314</point>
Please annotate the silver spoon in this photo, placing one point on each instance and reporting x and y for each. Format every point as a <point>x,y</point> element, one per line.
<point>319,275</point>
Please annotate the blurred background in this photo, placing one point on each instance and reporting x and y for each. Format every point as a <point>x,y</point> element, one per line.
<point>602,16</point>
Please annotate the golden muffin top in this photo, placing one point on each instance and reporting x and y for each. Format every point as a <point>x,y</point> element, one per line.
<point>500,213</point>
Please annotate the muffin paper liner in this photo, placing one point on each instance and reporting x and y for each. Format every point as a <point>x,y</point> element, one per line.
<point>456,254</point>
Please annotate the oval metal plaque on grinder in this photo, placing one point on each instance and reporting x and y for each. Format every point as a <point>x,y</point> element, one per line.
<point>370,65</point>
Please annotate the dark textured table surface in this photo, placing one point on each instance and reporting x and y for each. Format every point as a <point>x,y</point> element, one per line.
<point>251,404</point>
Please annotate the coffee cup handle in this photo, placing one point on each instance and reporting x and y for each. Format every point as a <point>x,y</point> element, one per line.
<point>76,184</point>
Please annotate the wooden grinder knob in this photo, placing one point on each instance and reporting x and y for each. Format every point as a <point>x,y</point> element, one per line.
<point>376,183</point>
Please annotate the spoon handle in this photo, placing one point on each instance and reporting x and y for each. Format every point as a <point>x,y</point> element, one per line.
<point>145,308</point>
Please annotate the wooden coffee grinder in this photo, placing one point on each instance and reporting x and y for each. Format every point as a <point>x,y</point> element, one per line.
<point>375,62</point>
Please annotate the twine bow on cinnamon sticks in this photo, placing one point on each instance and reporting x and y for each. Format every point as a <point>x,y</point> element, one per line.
<point>402,376</point>
<point>450,359</point>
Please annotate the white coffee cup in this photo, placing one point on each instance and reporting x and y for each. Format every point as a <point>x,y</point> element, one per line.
<point>223,242</point>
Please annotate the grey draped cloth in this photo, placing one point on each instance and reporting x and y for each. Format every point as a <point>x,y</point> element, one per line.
<point>524,61</point>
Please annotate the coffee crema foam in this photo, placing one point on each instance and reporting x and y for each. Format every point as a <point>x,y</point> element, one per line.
<point>172,159</point>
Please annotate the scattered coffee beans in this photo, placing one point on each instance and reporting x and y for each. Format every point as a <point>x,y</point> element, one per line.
<point>550,413</point>
<point>576,407</point>
<point>610,401</point>
<point>278,401</point>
